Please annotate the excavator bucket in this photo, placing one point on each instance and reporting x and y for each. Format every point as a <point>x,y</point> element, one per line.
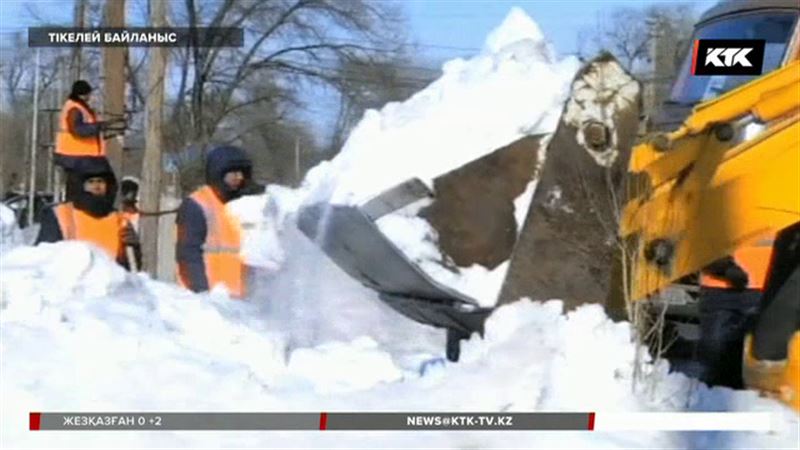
<point>565,246</point>
<point>471,208</point>
<point>568,246</point>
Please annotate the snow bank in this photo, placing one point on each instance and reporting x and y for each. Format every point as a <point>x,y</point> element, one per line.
<point>112,341</point>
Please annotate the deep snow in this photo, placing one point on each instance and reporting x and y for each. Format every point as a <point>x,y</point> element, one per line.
<point>80,334</point>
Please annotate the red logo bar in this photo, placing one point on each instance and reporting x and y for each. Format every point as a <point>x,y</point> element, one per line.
<point>323,421</point>
<point>35,421</point>
<point>694,55</point>
<point>591,422</point>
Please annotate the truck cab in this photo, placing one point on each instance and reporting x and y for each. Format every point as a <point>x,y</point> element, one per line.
<point>774,21</point>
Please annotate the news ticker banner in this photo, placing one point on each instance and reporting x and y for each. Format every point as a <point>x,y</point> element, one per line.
<point>384,421</point>
<point>135,37</point>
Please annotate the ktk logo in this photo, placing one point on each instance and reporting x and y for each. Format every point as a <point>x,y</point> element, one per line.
<point>733,56</point>
<point>728,57</point>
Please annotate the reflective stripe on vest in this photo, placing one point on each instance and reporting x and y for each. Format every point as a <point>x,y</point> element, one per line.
<point>753,258</point>
<point>220,249</point>
<point>222,245</point>
<point>103,232</point>
<point>69,144</point>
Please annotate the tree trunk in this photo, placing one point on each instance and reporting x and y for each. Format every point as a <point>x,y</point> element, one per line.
<point>114,81</point>
<point>151,168</point>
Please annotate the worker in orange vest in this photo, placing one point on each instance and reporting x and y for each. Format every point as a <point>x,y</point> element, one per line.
<point>730,291</point>
<point>91,216</point>
<point>80,134</point>
<point>209,237</point>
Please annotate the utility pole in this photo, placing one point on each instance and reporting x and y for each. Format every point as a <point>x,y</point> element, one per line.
<point>79,20</point>
<point>114,81</point>
<point>52,180</point>
<point>150,193</point>
<point>34,141</point>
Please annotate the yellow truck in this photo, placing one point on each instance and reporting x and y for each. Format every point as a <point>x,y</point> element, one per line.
<point>725,177</point>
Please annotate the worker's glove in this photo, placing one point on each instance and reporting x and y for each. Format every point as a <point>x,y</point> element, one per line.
<point>129,236</point>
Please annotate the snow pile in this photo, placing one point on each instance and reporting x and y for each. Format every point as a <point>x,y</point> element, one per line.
<point>263,219</point>
<point>514,88</point>
<point>336,367</point>
<point>10,234</point>
<point>149,346</point>
<point>417,239</point>
<point>516,28</point>
<point>53,273</point>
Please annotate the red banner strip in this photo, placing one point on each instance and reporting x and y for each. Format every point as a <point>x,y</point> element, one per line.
<point>35,421</point>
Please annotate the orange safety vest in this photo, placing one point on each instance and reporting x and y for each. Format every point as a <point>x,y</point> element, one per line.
<point>69,144</point>
<point>104,232</point>
<point>221,247</point>
<point>753,258</point>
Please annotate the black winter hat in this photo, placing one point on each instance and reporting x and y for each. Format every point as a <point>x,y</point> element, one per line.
<point>222,160</point>
<point>81,87</point>
<point>89,167</point>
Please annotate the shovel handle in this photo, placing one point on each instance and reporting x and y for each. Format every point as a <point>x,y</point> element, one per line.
<point>131,255</point>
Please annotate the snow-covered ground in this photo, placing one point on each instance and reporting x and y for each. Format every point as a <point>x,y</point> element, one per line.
<point>77,333</point>
<point>80,334</point>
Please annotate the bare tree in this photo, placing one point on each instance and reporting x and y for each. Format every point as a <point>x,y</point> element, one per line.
<point>16,85</point>
<point>628,32</point>
<point>373,82</point>
<point>649,42</point>
<point>289,42</point>
<point>14,66</point>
